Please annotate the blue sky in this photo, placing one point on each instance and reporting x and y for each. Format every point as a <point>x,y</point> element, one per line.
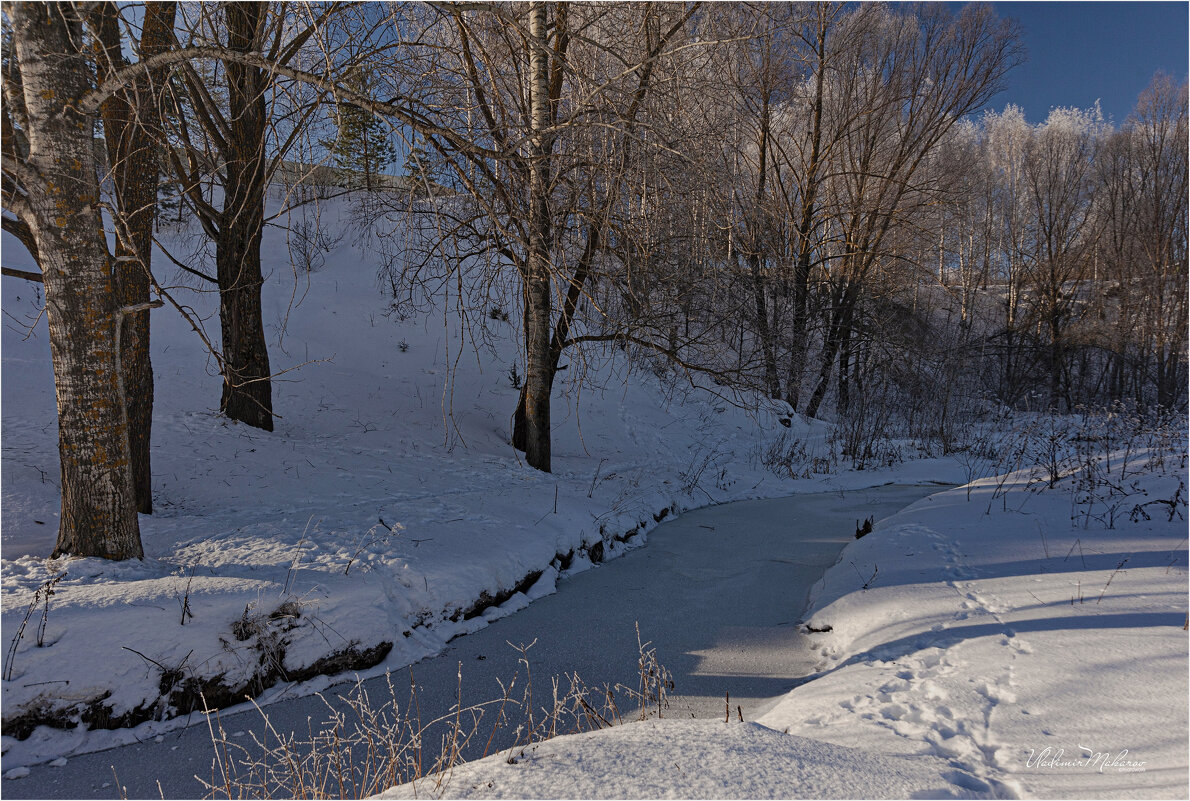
<point>1082,51</point>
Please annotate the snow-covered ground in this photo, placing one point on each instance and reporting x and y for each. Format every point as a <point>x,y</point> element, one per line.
<point>1046,657</point>
<point>997,646</point>
<point>383,517</point>
<point>996,637</point>
<point>692,759</point>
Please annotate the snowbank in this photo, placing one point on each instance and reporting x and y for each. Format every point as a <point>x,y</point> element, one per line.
<point>1015,636</point>
<point>1002,642</point>
<point>693,759</point>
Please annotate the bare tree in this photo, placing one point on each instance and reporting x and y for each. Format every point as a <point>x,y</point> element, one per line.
<point>761,73</point>
<point>239,146</point>
<point>919,74</point>
<point>1160,138</point>
<point>52,189</point>
<point>1058,174</point>
<point>1006,136</point>
<point>1141,214</point>
<point>131,126</point>
<point>805,151</point>
<point>538,112</point>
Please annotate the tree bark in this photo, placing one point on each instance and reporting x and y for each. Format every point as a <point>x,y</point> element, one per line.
<point>840,325</point>
<point>772,383</point>
<point>129,134</point>
<point>805,226</point>
<point>537,284</point>
<point>98,497</point>
<point>756,235</point>
<point>843,399</point>
<point>247,389</point>
<point>1056,355</point>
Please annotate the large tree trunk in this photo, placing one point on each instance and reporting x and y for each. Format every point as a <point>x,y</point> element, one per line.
<point>756,235</point>
<point>98,499</point>
<point>805,228</point>
<point>772,383</point>
<point>128,124</point>
<point>536,278</point>
<point>247,389</point>
<point>839,327</point>
<point>562,327</point>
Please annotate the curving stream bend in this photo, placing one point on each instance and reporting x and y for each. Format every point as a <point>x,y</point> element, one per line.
<point>718,591</point>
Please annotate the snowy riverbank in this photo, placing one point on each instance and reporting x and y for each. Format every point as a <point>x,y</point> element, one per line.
<point>999,647</point>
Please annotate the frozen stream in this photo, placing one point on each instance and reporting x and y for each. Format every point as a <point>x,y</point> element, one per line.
<point>719,592</point>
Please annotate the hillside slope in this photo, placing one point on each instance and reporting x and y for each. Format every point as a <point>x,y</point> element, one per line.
<point>385,515</point>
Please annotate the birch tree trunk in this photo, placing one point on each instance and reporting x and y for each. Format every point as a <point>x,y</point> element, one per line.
<point>98,497</point>
<point>537,284</point>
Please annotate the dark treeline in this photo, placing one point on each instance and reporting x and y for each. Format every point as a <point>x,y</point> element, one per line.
<point>804,202</point>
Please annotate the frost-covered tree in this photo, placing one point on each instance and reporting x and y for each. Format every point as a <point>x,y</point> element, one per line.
<point>917,74</point>
<point>533,112</point>
<point>1141,215</point>
<point>1058,172</point>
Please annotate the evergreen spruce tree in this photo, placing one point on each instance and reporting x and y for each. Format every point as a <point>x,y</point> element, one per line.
<point>421,173</point>
<point>363,147</point>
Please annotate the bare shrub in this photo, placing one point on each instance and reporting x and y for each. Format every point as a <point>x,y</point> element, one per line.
<point>862,432</point>
<point>309,242</point>
<point>367,744</point>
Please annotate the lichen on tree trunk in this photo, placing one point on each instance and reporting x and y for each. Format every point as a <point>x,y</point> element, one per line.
<point>98,499</point>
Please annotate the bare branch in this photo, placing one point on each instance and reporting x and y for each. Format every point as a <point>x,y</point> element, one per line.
<point>28,276</point>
